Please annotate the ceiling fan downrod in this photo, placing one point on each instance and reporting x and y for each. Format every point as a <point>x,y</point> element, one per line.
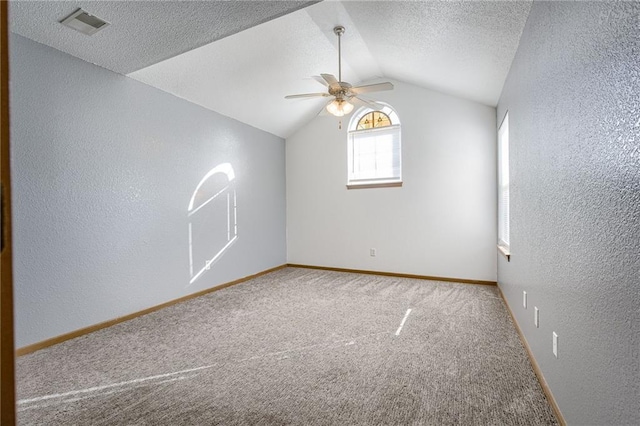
<point>339,30</point>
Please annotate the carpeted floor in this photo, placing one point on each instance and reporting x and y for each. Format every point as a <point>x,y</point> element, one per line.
<point>296,346</point>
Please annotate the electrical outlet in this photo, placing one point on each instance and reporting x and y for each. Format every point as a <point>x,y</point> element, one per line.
<point>524,299</point>
<point>536,316</point>
<point>372,252</point>
<point>555,344</point>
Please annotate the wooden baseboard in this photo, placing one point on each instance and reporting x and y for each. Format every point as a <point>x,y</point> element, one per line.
<point>86,330</point>
<point>534,364</point>
<point>394,274</point>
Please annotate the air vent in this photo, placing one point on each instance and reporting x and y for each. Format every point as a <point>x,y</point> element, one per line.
<point>84,22</point>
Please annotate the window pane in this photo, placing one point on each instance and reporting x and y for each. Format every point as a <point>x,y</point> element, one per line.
<point>375,154</point>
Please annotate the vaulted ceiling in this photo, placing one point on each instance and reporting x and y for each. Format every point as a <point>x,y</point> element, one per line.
<point>240,58</point>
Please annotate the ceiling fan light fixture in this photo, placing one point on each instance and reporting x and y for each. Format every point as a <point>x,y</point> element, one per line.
<point>339,107</point>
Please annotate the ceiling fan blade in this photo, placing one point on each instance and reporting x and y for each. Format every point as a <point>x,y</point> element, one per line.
<point>307,95</point>
<point>372,88</point>
<point>330,79</point>
<point>367,103</point>
<point>320,80</point>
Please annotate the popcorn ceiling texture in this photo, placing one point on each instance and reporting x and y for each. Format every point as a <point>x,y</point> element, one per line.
<point>462,48</point>
<point>458,48</point>
<point>142,32</point>
<point>215,55</point>
<point>103,169</point>
<point>573,96</point>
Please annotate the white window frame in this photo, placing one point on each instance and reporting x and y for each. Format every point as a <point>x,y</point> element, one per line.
<point>376,181</point>
<point>504,238</point>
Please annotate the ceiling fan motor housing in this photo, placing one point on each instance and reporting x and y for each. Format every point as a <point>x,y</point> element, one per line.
<point>340,90</point>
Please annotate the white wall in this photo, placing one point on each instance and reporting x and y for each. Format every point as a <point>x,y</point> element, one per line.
<point>441,222</point>
<point>573,98</point>
<point>103,169</point>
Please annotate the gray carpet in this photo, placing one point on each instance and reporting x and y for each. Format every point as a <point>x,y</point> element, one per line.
<point>296,346</point>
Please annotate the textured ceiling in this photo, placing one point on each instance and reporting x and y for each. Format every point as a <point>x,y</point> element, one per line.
<point>141,33</point>
<point>462,48</point>
<point>247,75</point>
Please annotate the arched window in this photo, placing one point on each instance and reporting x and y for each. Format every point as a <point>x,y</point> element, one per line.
<point>374,146</point>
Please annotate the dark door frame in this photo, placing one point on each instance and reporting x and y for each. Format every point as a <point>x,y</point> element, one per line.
<point>7,354</point>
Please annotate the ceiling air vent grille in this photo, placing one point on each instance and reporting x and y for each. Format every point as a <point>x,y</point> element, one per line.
<point>84,22</point>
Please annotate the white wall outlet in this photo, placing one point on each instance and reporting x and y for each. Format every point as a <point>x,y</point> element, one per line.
<point>555,344</point>
<point>372,252</point>
<point>536,316</point>
<point>524,299</point>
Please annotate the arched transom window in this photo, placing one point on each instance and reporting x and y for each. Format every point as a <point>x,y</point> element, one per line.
<point>374,119</point>
<point>374,147</point>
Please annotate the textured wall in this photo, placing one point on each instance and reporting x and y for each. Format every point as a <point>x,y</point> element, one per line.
<point>104,168</point>
<point>573,96</point>
<point>441,222</point>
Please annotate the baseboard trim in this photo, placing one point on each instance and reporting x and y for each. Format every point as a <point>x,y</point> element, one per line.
<point>86,330</point>
<point>534,364</point>
<point>395,274</point>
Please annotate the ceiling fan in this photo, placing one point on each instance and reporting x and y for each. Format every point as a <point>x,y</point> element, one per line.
<point>344,95</point>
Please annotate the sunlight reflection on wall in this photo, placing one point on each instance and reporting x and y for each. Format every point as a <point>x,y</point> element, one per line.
<point>213,226</point>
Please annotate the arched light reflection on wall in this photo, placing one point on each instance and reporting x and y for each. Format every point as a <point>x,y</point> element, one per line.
<point>213,225</point>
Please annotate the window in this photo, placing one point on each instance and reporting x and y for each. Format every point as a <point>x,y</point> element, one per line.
<point>503,186</point>
<point>374,153</point>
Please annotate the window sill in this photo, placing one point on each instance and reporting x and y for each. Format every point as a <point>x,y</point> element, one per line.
<point>374,185</point>
<point>505,252</point>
